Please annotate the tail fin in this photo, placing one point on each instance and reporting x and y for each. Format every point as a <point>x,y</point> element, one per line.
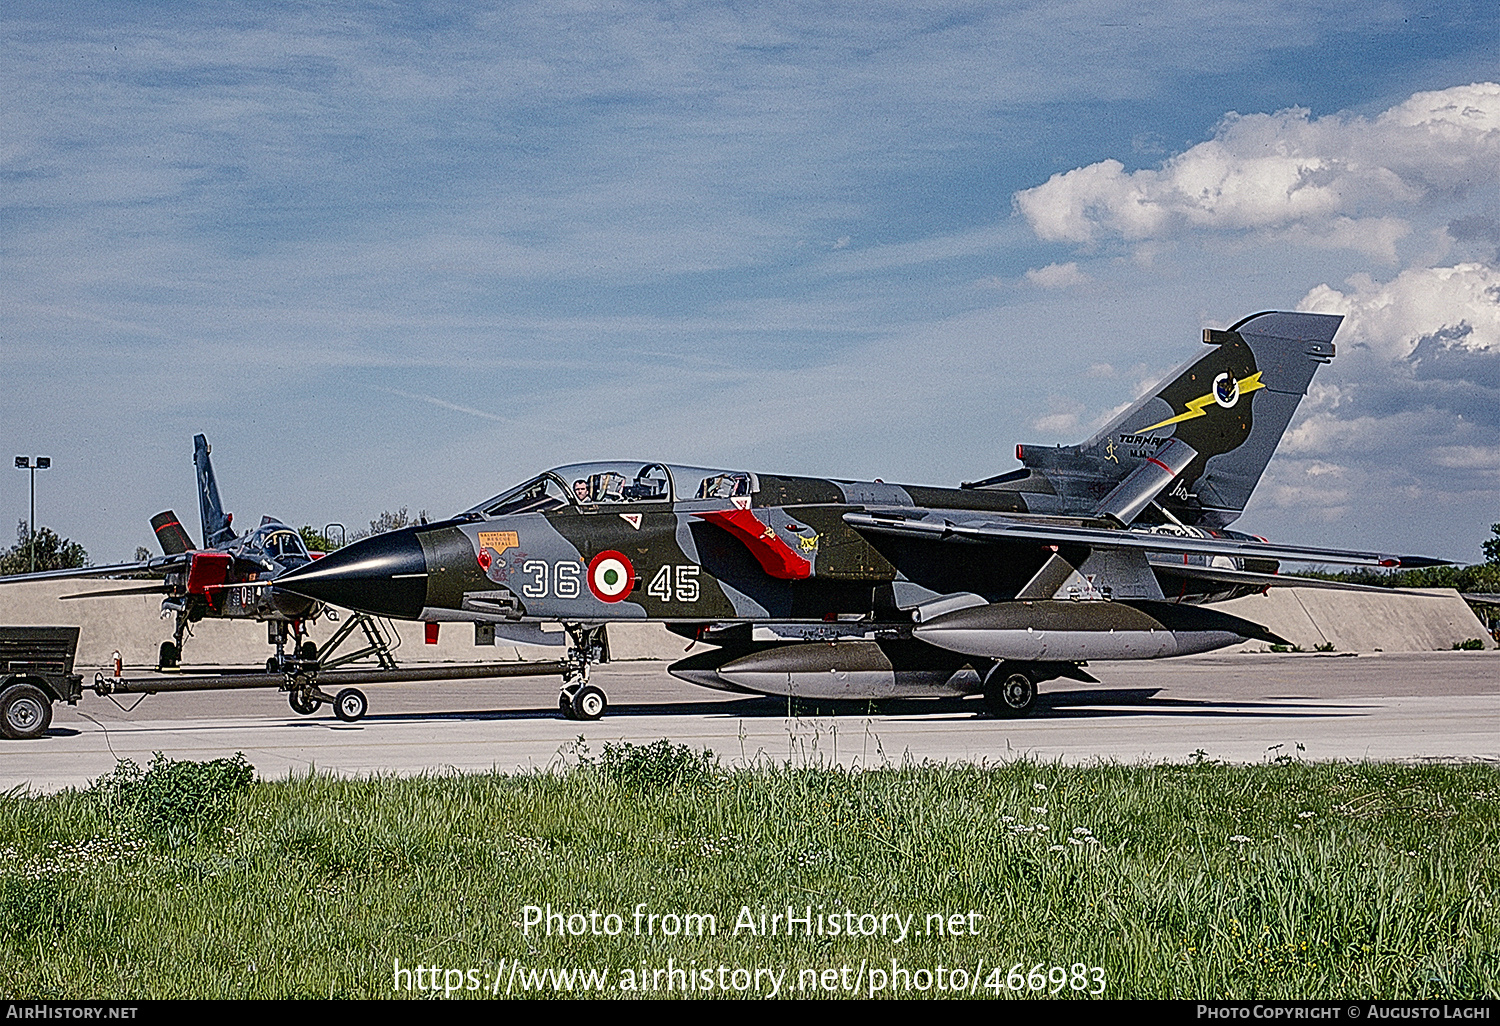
<point>171,534</point>
<point>1228,407</point>
<point>216,529</point>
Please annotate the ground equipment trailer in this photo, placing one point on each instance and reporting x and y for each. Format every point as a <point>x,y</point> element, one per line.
<point>305,685</point>
<point>36,669</point>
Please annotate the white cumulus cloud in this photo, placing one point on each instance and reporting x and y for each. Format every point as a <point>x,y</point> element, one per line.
<point>1459,305</point>
<point>1337,178</point>
<point>1056,276</point>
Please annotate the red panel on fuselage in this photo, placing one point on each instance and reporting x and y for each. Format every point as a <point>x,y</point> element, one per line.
<point>209,570</point>
<point>774,555</point>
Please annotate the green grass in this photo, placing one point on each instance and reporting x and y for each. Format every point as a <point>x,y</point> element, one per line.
<point>1284,880</point>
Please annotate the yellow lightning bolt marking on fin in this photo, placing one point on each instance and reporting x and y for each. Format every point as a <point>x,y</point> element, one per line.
<point>1197,407</point>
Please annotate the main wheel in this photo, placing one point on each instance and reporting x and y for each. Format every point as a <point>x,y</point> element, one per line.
<point>589,703</point>
<point>168,656</point>
<point>1008,693</point>
<point>565,705</point>
<point>308,651</point>
<point>302,702</point>
<point>25,712</point>
<point>349,704</point>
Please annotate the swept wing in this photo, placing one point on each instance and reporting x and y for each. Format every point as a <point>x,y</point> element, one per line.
<point>143,568</point>
<point>951,525</point>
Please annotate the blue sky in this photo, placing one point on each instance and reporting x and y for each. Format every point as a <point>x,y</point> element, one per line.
<point>405,255</point>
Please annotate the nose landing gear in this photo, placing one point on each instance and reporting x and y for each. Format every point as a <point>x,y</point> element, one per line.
<point>580,700</point>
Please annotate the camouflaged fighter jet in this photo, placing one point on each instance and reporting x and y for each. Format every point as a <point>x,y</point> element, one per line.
<point>228,578</point>
<point>860,589</point>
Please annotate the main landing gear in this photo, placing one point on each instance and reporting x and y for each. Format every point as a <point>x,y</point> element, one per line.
<point>1010,688</point>
<point>278,632</point>
<point>169,656</point>
<point>1009,691</point>
<point>580,700</point>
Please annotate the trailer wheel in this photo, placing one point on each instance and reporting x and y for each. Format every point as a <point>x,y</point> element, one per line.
<point>302,702</point>
<point>25,712</point>
<point>349,704</point>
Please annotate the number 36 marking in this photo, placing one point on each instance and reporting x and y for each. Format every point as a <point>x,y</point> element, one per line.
<point>564,579</point>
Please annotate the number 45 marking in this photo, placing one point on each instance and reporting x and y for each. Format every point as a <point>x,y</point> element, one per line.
<point>685,578</point>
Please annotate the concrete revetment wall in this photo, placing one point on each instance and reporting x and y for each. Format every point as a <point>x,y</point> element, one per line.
<point>1352,621</point>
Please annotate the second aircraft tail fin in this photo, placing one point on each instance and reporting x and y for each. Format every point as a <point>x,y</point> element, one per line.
<point>216,523</point>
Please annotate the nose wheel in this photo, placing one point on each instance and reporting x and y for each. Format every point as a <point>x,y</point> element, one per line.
<point>583,703</point>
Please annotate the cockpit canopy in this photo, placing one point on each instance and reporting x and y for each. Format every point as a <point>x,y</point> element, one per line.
<point>277,541</point>
<point>596,484</point>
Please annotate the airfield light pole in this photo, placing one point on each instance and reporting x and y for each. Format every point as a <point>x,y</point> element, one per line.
<point>25,463</point>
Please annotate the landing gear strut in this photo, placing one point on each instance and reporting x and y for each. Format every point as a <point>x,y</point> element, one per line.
<point>580,700</point>
<point>169,656</point>
<point>302,651</point>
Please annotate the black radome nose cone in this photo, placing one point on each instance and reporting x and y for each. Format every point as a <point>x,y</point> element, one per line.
<point>385,575</point>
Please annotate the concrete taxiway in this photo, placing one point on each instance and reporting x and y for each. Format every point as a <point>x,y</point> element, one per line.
<point>1243,707</point>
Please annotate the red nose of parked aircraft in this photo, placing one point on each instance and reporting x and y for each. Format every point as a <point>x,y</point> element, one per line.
<point>385,575</point>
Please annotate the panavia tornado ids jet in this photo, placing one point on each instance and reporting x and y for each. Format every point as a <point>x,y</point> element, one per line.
<point>229,577</point>
<point>859,589</point>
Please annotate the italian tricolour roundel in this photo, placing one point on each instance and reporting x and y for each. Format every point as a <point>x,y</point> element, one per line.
<point>611,577</point>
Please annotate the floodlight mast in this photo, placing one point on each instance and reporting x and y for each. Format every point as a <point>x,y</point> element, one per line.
<point>26,463</point>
